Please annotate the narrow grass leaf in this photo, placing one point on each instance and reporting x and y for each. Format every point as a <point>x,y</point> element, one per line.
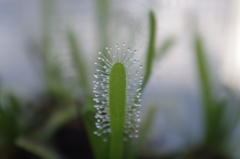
<point>165,47</point>
<point>99,148</point>
<point>80,64</point>
<point>151,48</point>
<point>144,131</point>
<point>43,151</point>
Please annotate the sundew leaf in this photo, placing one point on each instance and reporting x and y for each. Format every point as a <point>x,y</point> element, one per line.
<point>117,108</point>
<point>151,48</point>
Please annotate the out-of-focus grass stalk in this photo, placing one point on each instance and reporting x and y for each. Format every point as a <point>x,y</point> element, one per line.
<point>102,21</point>
<point>144,131</point>
<point>215,132</point>
<point>151,48</point>
<point>88,112</point>
<point>38,149</point>
<point>80,66</point>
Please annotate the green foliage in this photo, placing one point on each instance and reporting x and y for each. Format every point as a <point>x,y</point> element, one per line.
<point>151,48</point>
<point>144,131</point>
<point>165,47</point>
<point>41,150</point>
<point>99,148</point>
<point>79,63</point>
<point>217,129</point>
<point>9,122</point>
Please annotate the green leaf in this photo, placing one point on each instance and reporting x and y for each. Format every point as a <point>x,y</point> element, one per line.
<point>215,131</point>
<point>80,64</point>
<point>117,108</point>
<point>102,19</point>
<point>100,148</point>
<point>165,47</point>
<point>57,119</point>
<point>9,111</point>
<point>151,48</point>
<point>144,131</point>
<point>203,74</point>
<point>38,149</point>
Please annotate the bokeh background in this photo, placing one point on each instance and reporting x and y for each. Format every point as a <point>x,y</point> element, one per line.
<point>41,97</point>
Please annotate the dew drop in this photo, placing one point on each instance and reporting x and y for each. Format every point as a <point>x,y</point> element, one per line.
<point>96,94</point>
<point>123,44</point>
<point>95,63</point>
<point>95,75</point>
<point>141,66</point>
<point>99,58</point>
<point>99,53</point>
<point>135,51</point>
<point>107,48</point>
<point>138,120</point>
<point>135,61</point>
<point>117,45</point>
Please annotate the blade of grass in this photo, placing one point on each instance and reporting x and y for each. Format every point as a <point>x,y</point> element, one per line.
<point>40,150</point>
<point>151,48</point>
<point>215,132</point>
<point>144,131</point>
<point>165,47</point>
<point>205,84</point>
<point>102,19</point>
<point>57,119</point>
<point>203,74</point>
<point>99,148</point>
<point>79,63</point>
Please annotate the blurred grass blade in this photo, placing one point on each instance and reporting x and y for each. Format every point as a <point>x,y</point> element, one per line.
<point>40,150</point>
<point>102,19</point>
<point>165,47</point>
<point>206,90</point>
<point>79,63</point>
<point>151,48</point>
<point>117,108</point>
<point>100,148</point>
<point>9,125</point>
<point>203,73</point>
<point>144,131</point>
<point>57,119</point>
